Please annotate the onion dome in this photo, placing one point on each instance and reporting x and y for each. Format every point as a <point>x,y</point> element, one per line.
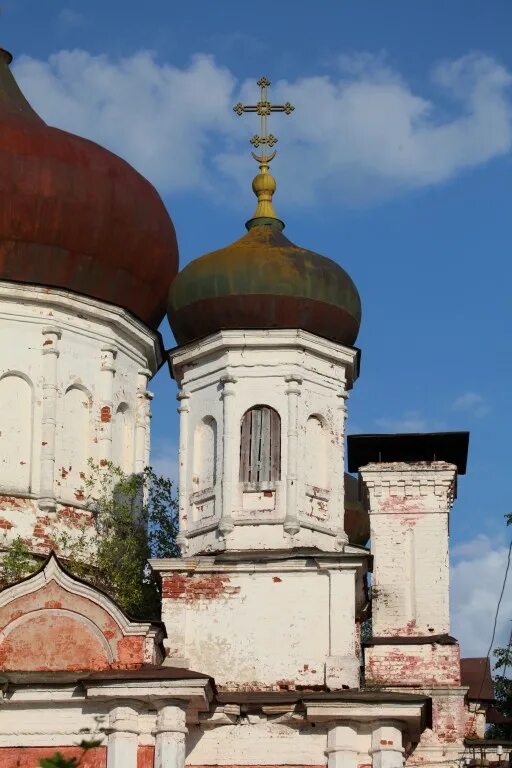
<point>75,216</point>
<point>264,281</point>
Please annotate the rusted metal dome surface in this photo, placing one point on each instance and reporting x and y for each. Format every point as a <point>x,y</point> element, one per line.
<point>264,281</point>
<point>78,217</point>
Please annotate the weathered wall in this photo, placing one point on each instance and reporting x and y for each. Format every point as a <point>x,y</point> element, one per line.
<point>278,625</point>
<point>413,665</point>
<point>305,379</point>
<point>73,386</point>
<point>53,622</point>
<point>409,507</point>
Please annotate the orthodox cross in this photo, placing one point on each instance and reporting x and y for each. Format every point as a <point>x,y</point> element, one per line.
<point>264,109</point>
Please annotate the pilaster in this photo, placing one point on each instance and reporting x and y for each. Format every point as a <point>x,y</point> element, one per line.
<point>143,416</point>
<point>183,398</point>
<point>229,444</point>
<point>50,351</point>
<point>108,371</point>
<point>291,522</point>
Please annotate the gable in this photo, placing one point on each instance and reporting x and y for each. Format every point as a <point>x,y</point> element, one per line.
<point>54,622</point>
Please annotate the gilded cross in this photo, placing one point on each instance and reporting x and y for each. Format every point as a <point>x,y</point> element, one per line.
<point>263,108</point>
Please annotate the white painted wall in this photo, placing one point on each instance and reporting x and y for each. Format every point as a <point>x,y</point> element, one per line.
<point>409,508</point>
<point>73,386</point>
<point>305,379</point>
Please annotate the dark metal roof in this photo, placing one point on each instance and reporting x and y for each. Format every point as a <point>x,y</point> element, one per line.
<point>351,695</point>
<point>476,672</point>
<point>406,640</point>
<point>451,447</point>
<point>148,672</point>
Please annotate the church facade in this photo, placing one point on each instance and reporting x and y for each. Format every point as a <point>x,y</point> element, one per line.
<point>264,655</point>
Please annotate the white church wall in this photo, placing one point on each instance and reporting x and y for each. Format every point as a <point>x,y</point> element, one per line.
<point>73,386</point>
<point>274,625</point>
<point>303,380</point>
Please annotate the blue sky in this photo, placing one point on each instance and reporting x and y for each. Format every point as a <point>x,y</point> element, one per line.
<point>396,163</point>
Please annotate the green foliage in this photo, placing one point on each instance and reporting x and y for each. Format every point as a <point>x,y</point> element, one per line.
<point>58,761</point>
<point>502,694</point>
<point>17,562</point>
<point>502,686</point>
<point>134,518</point>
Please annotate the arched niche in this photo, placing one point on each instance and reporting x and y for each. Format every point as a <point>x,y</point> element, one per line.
<point>122,438</point>
<point>316,450</point>
<point>205,454</point>
<point>73,442</point>
<point>16,427</point>
<point>260,445</point>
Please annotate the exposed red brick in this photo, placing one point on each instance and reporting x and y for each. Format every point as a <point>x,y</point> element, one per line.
<point>28,757</point>
<point>193,587</point>
<point>105,414</point>
<point>276,579</point>
<point>5,524</point>
<point>145,756</point>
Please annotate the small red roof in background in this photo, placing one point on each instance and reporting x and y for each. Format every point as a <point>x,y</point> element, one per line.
<point>476,673</point>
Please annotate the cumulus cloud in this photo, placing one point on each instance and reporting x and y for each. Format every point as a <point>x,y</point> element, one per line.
<point>360,134</point>
<point>411,421</point>
<point>471,403</point>
<point>478,568</point>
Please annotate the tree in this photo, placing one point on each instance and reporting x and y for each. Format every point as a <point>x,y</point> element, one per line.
<point>132,518</point>
<point>503,686</point>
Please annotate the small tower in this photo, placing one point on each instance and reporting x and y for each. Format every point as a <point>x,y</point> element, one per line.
<point>264,364</point>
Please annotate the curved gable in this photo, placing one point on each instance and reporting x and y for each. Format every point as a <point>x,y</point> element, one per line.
<point>53,621</point>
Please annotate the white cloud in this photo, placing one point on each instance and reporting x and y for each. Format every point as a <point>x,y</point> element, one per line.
<point>478,568</point>
<point>471,403</point>
<point>360,134</point>
<point>160,118</point>
<point>411,421</point>
<point>70,18</point>
<point>164,458</point>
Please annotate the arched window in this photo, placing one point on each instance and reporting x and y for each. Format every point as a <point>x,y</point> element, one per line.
<point>260,445</point>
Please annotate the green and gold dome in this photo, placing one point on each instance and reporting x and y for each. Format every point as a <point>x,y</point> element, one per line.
<point>264,281</point>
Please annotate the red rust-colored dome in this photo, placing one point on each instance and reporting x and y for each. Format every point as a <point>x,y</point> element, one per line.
<point>78,217</point>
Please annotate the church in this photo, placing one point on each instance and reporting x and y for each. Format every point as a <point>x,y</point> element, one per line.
<point>306,620</point>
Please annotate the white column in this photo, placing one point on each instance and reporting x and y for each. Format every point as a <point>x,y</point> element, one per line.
<point>183,410</point>
<point>50,351</point>
<point>338,477</point>
<point>108,370</point>
<point>387,750</point>
<point>170,735</point>
<point>230,450</point>
<point>341,749</point>
<point>123,736</point>
<point>142,421</point>
<point>291,523</point>
<point>342,665</point>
